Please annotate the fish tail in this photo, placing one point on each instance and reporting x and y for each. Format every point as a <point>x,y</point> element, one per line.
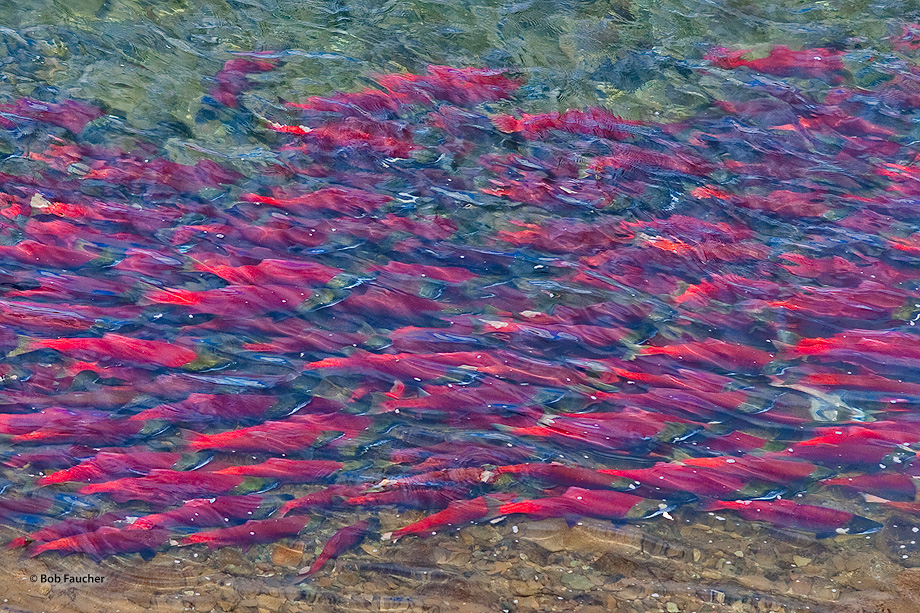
<point>786,351</point>
<point>25,344</point>
<point>17,542</point>
<point>314,568</point>
<point>635,350</point>
<point>859,525</point>
<point>193,440</point>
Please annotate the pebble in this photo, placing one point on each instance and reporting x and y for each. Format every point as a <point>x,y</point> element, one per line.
<point>800,561</point>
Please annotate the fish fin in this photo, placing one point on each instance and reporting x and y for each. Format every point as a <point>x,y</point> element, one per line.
<point>256,485</point>
<point>861,525</point>
<point>147,554</point>
<point>154,427</point>
<point>771,495</point>
<point>633,350</point>
<point>193,461</point>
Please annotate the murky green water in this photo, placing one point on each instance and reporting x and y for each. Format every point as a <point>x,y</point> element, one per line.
<point>150,62</point>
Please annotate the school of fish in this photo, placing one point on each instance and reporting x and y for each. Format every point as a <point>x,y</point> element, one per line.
<point>429,299</point>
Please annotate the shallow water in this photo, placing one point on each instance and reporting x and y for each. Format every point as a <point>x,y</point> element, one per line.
<point>448,293</point>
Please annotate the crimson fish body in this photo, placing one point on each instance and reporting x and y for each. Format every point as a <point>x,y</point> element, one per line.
<point>405,365</point>
<point>893,349</point>
<point>754,468</point>
<point>448,274</point>
<point>895,487</point>
<point>341,541</point>
<point>42,460</point>
<point>576,502</point>
<point>460,454</point>
<point>591,122</point>
<point>287,471</point>
<point>118,347</point>
<point>627,430</point>
<point>252,532</point>
<point>871,382</point>
<point>109,465</point>
<point>70,114</point>
<point>784,62</point>
<point>268,272</point>
<point>33,252</point>
<point>414,498</point>
<point>201,512</point>
<point>209,407</point>
<point>42,319</point>
<point>325,498</point>
<point>455,398</point>
<point>665,480</point>
<point>163,486</point>
<point>823,521</point>
<point>231,80</point>
<point>235,300</point>
<point>714,353</point>
<point>336,199</point>
<point>105,541</point>
<point>103,397</point>
<point>457,513</point>
<point>851,445</point>
<point>455,476</point>
<point>398,305</point>
<point>293,434</point>
<point>460,86</point>
<point>99,431</point>
<point>32,505</point>
<point>559,474</point>
<point>68,527</point>
<point>17,424</point>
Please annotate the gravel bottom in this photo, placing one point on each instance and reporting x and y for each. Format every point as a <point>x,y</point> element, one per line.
<point>694,563</point>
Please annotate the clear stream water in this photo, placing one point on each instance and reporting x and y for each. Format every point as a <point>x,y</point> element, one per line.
<point>449,292</point>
